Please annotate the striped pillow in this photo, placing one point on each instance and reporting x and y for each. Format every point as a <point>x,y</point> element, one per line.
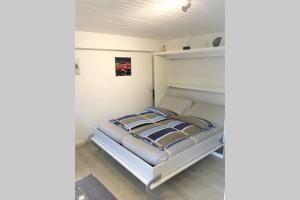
<point>197,121</point>
<point>166,133</point>
<point>161,111</point>
<point>129,122</point>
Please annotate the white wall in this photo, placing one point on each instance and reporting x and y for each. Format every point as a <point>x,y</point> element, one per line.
<point>195,71</point>
<point>201,71</point>
<point>198,41</point>
<point>99,94</point>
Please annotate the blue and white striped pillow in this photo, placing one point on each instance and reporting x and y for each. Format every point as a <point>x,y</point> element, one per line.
<point>161,111</point>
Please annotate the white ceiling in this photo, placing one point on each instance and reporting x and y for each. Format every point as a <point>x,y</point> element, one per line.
<point>150,18</point>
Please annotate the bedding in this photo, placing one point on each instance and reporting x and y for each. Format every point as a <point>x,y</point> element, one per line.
<point>114,132</point>
<point>200,122</point>
<point>161,127</point>
<point>167,133</point>
<point>149,153</point>
<point>204,135</point>
<point>130,122</point>
<point>146,152</point>
<point>154,155</point>
<point>161,111</point>
<point>211,112</point>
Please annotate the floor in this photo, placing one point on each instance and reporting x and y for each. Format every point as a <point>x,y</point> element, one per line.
<point>202,181</point>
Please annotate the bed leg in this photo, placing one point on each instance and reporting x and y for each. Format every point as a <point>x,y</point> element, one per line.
<point>149,192</point>
<point>93,143</point>
<point>90,136</point>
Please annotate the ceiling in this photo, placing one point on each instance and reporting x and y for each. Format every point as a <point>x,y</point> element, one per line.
<point>161,19</point>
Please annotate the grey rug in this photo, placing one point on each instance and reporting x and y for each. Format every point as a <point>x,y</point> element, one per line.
<point>89,188</point>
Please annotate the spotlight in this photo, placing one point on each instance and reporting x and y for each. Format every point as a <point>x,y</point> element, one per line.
<point>187,6</point>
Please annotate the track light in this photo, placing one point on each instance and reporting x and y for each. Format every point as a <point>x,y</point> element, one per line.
<point>187,6</point>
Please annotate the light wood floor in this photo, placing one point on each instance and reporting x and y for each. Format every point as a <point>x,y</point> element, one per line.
<point>202,181</point>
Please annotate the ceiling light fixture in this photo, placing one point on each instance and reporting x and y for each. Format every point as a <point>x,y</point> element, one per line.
<point>170,4</point>
<point>187,6</point>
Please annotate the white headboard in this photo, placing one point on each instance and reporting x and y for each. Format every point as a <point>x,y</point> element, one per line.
<point>210,97</point>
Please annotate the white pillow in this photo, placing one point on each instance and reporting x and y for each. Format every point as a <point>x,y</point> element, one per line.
<point>176,104</point>
<point>211,112</point>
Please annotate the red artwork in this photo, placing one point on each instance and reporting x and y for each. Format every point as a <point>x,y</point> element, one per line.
<point>123,66</point>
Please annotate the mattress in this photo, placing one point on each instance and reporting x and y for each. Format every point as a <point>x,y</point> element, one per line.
<point>114,132</point>
<point>147,152</point>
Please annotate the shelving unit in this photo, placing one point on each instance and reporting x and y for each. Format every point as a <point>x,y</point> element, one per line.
<point>195,74</point>
<point>197,87</point>
<point>193,53</point>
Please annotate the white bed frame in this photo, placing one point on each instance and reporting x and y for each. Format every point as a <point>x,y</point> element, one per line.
<point>153,176</point>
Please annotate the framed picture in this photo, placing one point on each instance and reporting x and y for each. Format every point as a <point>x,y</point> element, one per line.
<point>123,66</point>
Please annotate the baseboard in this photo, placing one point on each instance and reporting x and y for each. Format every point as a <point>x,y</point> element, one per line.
<point>80,144</point>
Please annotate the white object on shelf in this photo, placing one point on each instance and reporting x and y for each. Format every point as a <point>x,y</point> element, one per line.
<point>205,88</point>
<point>193,53</point>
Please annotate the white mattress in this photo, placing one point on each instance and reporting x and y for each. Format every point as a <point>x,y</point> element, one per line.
<point>113,131</point>
<point>147,152</point>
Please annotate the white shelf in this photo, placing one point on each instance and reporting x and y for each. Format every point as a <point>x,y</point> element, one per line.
<point>204,88</point>
<point>193,53</point>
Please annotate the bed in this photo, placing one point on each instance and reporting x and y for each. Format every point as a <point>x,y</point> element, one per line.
<point>151,165</point>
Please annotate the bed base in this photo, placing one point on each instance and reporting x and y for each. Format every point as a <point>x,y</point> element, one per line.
<point>153,176</point>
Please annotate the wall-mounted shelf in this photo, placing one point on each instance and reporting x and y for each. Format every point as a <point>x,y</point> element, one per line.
<point>204,88</point>
<point>193,53</point>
